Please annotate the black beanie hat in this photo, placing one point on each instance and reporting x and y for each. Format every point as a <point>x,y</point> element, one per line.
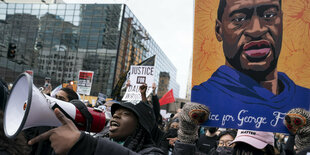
<point>144,112</point>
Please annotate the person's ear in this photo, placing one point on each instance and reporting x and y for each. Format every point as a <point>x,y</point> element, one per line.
<point>218,30</point>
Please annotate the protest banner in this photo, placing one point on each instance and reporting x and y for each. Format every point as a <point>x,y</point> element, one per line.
<point>122,78</point>
<point>85,82</point>
<point>139,75</point>
<point>250,82</point>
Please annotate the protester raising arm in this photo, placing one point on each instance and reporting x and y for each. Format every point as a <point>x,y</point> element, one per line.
<point>297,121</point>
<point>155,132</point>
<point>191,116</point>
<point>156,105</point>
<point>143,89</point>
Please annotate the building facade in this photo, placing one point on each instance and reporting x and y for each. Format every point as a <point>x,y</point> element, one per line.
<point>58,40</point>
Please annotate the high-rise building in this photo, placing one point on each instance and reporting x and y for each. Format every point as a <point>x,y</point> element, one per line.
<point>58,40</point>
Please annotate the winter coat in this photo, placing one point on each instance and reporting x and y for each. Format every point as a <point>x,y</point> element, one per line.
<point>97,146</point>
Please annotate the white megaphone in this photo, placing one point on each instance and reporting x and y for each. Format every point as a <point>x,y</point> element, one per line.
<point>28,107</point>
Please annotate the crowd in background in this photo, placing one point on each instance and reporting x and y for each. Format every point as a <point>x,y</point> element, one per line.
<point>141,129</point>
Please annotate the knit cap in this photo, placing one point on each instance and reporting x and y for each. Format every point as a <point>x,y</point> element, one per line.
<point>297,122</point>
<point>192,115</point>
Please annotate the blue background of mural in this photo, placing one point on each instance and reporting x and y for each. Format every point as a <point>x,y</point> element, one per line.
<point>237,101</point>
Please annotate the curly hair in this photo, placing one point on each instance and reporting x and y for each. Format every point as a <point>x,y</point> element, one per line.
<point>17,146</point>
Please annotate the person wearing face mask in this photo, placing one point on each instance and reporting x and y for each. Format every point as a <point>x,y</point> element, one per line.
<point>223,144</point>
<point>167,141</point>
<point>207,141</point>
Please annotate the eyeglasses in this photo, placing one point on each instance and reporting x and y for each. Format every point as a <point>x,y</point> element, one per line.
<point>224,143</point>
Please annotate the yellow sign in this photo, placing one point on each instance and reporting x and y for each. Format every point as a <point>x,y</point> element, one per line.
<point>71,85</point>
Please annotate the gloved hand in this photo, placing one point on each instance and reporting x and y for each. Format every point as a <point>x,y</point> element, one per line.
<point>191,116</point>
<point>297,122</point>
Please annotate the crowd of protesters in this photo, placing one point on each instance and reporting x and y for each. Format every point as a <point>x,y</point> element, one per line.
<point>140,129</point>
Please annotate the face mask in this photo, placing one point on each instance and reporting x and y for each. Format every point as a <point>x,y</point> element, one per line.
<point>172,133</point>
<point>212,130</point>
<point>222,150</point>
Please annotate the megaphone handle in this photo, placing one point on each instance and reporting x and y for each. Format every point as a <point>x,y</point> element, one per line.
<point>64,112</point>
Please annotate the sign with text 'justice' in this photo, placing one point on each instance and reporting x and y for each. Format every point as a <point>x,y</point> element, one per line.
<point>139,75</point>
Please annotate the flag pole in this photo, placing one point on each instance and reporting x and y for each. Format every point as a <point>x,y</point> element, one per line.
<point>175,104</point>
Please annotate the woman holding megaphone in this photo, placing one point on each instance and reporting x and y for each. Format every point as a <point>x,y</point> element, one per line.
<point>129,133</point>
<point>129,130</point>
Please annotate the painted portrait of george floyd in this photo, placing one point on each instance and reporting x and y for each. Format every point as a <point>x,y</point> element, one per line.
<point>251,61</point>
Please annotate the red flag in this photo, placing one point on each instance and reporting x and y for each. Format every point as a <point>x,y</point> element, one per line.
<point>167,98</point>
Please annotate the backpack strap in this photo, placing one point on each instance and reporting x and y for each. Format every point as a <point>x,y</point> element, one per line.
<point>84,111</point>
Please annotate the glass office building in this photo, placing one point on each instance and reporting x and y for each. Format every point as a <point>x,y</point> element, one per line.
<point>59,40</point>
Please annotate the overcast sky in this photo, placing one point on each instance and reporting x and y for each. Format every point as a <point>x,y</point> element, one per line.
<point>170,23</point>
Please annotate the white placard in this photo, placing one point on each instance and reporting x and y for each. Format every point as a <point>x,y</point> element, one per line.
<point>85,82</point>
<point>138,76</point>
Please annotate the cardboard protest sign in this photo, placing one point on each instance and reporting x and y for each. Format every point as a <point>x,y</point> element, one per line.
<point>139,75</point>
<point>251,68</point>
<point>85,82</point>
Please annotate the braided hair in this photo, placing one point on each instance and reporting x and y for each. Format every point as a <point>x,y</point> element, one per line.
<point>138,139</point>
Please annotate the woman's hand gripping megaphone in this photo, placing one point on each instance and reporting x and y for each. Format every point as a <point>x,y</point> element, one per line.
<point>63,137</point>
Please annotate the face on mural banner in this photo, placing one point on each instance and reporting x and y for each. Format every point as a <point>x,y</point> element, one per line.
<point>248,92</point>
<point>251,32</point>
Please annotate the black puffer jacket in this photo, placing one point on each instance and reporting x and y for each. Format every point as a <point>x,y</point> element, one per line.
<point>87,145</point>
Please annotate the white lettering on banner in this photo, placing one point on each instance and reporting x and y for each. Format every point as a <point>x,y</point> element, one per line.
<point>141,79</point>
<point>278,115</point>
<point>250,119</point>
<point>214,117</point>
<point>244,117</point>
<point>227,118</point>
